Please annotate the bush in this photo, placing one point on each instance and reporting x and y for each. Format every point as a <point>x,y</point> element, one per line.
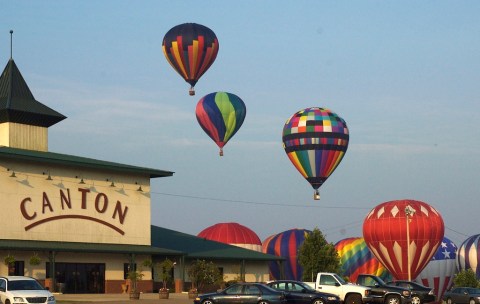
<point>466,278</point>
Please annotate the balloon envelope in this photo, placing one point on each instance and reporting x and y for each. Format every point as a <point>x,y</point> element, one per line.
<point>220,114</point>
<point>285,244</point>
<point>233,234</point>
<point>440,271</point>
<point>356,258</point>
<point>315,140</point>
<point>191,49</point>
<point>403,254</point>
<point>468,256</point>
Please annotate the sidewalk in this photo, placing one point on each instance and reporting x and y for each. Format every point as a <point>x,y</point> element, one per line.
<point>174,298</point>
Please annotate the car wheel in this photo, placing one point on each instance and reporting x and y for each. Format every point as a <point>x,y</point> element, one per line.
<point>263,302</point>
<point>353,299</point>
<point>449,301</point>
<point>416,300</point>
<point>472,301</point>
<point>207,301</point>
<point>392,300</point>
<point>317,301</point>
<point>7,301</point>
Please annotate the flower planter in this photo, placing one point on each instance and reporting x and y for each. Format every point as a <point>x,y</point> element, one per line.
<point>134,295</point>
<point>163,294</point>
<point>192,294</point>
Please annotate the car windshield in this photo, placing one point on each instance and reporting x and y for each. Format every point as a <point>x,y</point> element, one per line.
<point>473,290</point>
<point>24,285</point>
<point>306,286</point>
<point>342,281</point>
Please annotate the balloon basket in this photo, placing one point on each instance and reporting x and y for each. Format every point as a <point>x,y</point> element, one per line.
<point>316,195</point>
<point>221,152</point>
<point>191,92</point>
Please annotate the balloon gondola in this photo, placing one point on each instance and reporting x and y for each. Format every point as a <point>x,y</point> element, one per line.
<point>315,140</point>
<point>191,49</point>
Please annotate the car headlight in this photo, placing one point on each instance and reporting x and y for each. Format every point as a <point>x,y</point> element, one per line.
<point>51,298</point>
<point>19,299</point>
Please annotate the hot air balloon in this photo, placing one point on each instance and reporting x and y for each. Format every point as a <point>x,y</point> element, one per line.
<point>468,256</point>
<point>315,140</point>
<point>220,115</point>
<point>190,49</point>
<point>356,258</point>
<point>440,271</point>
<point>285,244</point>
<point>403,235</point>
<point>233,234</point>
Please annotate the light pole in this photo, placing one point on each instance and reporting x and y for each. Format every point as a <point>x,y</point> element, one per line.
<point>409,211</point>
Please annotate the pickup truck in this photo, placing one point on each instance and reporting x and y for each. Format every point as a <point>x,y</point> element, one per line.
<point>383,293</point>
<point>347,292</point>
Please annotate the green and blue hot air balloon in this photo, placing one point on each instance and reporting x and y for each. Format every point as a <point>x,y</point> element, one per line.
<point>220,114</point>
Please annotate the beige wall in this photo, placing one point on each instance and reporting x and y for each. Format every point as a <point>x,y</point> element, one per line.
<point>37,209</point>
<point>23,136</point>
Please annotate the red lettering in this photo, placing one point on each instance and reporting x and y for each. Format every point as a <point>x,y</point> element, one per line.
<point>97,202</point>
<point>24,210</point>
<point>46,203</point>
<point>84,197</point>
<point>121,213</point>
<point>65,200</point>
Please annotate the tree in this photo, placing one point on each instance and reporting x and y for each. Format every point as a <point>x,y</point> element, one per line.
<point>203,273</point>
<point>466,278</point>
<point>316,255</point>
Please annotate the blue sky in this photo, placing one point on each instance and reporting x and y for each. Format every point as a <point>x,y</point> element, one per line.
<point>403,74</point>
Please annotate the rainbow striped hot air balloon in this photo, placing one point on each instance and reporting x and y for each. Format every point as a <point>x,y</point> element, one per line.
<point>285,244</point>
<point>221,114</point>
<point>190,48</point>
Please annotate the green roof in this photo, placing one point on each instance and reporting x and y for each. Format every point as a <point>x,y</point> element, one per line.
<point>76,161</point>
<point>83,247</point>
<point>200,248</point>
<point>17,103</point>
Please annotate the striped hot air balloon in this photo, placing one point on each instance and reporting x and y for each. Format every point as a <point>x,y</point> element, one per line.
<point>221,114</point>
<point>356,258</point>
<point>285,244</point>
<point>468,256</point>
<point>233,234</point>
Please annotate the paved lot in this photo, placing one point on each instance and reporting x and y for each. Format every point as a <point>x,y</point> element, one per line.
<point>145,298</point>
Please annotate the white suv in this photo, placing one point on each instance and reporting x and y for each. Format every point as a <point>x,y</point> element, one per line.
<point>18,289</point>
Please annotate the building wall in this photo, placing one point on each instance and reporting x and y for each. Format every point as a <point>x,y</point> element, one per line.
<point>23,136</point>
<point>62,209</point>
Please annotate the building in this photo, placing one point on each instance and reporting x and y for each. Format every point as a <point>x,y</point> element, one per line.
<point>78,224</point>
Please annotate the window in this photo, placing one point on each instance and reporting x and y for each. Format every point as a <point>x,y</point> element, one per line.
<point>17,268</point>
<point>252,290</point>
<point>327,280</point>
<point>235,289</point>
<point>126,269</point>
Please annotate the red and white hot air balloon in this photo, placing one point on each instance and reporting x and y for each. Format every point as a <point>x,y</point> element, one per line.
<point>403,235</point>
<point>232,234</point>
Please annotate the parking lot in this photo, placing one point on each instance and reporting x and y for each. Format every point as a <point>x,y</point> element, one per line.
<point>175,298</point>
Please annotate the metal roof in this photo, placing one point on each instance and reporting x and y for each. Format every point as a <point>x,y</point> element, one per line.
<point>200,248</point>
<point>76,161</point>
<point>26,245</point>
<point>17,103</point>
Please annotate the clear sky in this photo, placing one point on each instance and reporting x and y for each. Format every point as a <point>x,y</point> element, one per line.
<point>403,74</point>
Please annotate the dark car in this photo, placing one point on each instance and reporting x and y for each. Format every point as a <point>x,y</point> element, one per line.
<point>301,293</point>
<point>420,293</point>
<point>462,295</point>
<point>243,293</point>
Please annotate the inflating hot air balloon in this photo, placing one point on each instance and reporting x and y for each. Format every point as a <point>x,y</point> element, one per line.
<point>440,271</point>
<point>285,244</point>
<point>468,256</point>
<point>403,235</point>
<point>315,140</point>
<point>356,258</point>
<point>190,49</point>
<point>233,234</point>
<point>220,115</point>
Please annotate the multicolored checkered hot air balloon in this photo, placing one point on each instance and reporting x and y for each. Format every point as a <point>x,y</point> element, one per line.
<point>315,140</point>
<point>403,235</point>
<point>191,49</point>
<point>285,244</point>
<point>356,258</point>
<point>220,115</point>
<point>440,271</point>
<point>468,256</point>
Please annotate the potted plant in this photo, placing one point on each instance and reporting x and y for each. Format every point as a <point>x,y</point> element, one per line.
<point>9,260</point>
<point>202,274</point>
<point>35,259</point>
<point>165,268</point>
<point>134,276</point>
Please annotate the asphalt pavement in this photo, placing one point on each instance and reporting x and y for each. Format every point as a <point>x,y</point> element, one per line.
<point>145,298</point>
